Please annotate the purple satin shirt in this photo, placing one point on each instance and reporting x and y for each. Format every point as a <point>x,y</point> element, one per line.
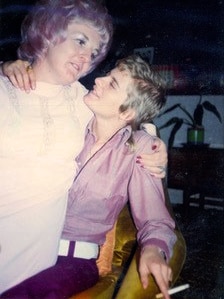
<point>106,182</point>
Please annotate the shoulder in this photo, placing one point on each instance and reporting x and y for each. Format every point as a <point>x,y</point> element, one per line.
<point>143,142</point>
<point>7,90</point>
<point>82,111</point>
<point>8,98</point>
<point>4,82</point>
<point>79,89</point>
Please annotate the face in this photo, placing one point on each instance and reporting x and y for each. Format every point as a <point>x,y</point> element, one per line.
<point>108,94</point>
<point>71,59</point>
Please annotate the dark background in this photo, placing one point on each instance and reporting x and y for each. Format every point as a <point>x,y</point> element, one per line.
<point>180,31</point>
<point>189,34</point>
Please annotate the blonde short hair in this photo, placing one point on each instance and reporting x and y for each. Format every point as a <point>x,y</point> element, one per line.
<point>146,94</point>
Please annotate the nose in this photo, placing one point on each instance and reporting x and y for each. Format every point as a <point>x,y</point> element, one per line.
<point>100,81</point>
<point>85,55</point>
<point>97,81</point>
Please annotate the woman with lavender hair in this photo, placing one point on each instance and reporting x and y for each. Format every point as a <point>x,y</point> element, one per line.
<point>42,131</point>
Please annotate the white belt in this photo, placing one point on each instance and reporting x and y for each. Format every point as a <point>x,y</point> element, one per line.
<point>85,250</point>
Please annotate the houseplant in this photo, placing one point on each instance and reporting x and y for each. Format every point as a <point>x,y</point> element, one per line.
<point>194,121</point>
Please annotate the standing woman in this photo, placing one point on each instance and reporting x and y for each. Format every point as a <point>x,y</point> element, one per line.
<point>41,132</point>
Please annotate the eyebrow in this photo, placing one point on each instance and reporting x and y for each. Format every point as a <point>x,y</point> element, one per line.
<point>87,39</point>
<point>83,35</point>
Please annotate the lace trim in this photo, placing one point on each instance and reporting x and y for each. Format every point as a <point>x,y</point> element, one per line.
<point>71,102</point>
<point>48,125</point>
<point>48,122</point>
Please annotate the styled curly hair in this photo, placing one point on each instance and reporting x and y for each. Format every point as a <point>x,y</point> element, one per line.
<point>48,21</point>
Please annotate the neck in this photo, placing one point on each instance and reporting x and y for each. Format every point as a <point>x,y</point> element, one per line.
<point>40,72</point>
<point>104,129</point>
<point>44,73</point>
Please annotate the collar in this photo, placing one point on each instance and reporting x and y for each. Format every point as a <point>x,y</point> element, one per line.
<point>125,131</point>
<point>48,90</point>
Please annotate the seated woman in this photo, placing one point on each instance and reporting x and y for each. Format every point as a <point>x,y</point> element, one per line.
<point>108,176</point>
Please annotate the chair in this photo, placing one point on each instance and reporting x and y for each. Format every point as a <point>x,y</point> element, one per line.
<point>123,281</point>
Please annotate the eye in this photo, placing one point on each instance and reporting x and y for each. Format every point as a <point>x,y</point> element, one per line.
<point>81,41</point>
<point>112,83</point>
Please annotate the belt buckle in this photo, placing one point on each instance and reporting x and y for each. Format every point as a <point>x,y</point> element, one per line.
<point>86,250</point>
<point>79,249</point>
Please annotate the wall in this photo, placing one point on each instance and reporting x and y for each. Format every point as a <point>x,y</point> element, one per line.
<point>214,130</point>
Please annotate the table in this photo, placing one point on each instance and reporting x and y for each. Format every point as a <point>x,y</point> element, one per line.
<point>197,170</point>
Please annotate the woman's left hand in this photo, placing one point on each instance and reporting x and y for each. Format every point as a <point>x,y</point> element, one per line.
<point>155,162</point>
<point>152,262</point>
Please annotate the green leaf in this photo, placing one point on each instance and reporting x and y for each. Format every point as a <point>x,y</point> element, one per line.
<point>169,109</point>
<point>176,128</point>
<point>187,113</point>
<point>170,122</point>
<point>210,107</point>
<point>198,115</point>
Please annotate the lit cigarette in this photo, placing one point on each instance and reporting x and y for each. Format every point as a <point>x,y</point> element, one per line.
<point>174,290</point>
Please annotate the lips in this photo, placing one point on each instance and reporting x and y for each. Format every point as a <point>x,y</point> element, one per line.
<point>76,66</point>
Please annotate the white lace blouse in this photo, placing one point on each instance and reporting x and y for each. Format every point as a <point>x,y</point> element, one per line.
<point>40,135</point>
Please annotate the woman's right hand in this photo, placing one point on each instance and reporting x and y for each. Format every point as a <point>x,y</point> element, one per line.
<point>20,73</point>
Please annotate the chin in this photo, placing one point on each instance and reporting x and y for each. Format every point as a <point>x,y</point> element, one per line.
<point>90,96</point>
<point>88,103</point>
<point>70,78</point>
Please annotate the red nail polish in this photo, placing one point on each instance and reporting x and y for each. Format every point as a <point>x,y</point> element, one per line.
<point>139,157</point>
<point>154,147</point>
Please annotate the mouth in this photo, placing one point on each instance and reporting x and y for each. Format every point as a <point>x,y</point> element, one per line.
<point>76,66</point>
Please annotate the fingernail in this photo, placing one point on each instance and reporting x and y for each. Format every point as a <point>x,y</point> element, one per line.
<point>139,157</point>
<point>154,147</point>
<point>138,162</point>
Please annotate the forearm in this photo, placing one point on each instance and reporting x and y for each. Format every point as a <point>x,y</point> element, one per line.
<point>157,161</point>
<point>153,221</point>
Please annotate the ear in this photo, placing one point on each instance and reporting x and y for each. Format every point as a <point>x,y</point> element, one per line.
<point>128,115</point>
